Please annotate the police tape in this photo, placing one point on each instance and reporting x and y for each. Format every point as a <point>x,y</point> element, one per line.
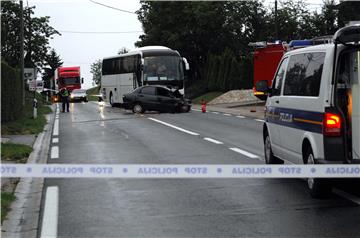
<point>178,171</point>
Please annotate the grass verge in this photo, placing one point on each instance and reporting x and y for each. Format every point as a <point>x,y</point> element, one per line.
<point>207,97</point>
<point>15,152</point>
<point>6,200</point>
<point>93,91</point>
<point>26,124</point>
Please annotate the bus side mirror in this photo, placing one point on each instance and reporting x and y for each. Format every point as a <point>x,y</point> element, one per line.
<point>82,80</point>
<point>262,86</point>
<point>187,67</point>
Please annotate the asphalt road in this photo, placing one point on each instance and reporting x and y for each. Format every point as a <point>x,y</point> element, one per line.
<point>182,207</point>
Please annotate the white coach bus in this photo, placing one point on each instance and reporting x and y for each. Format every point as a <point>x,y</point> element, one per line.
<point>150,65</point>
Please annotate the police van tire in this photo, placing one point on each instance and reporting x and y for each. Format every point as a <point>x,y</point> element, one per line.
<point>318,188</point>
<point>111,100</point>
<point>270,158</point>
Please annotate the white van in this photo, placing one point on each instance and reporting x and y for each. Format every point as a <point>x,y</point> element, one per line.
<point>313,108</point>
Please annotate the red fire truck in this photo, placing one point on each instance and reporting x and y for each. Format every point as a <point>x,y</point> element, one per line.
<point>67,77</point>
<point>268,55</point>
<point>266,59</point>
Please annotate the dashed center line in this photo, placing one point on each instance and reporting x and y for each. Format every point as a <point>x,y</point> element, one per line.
<point>213,141</point>
<point>54,152</point>
<point>175,127</point>
<point>55,140</point>
<point>56,128</point>
<point>243,152</point>
<point>51,212</point>
<point>215,112</point>
<point>240,117</point>
<point>196,110</point>
<point>226,114</point>
<point>260,120</point>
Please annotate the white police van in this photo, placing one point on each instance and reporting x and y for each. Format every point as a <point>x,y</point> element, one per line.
<point>313,108</point>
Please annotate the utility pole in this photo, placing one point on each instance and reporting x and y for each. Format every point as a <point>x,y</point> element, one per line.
<point>22,51</point>
<point>276,22</point>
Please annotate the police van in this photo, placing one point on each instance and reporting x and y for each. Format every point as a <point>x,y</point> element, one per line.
<point>312,111</point>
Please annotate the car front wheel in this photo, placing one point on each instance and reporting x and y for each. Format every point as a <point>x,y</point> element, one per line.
<point>137,108</point>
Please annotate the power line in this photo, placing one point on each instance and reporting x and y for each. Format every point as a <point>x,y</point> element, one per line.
<point>118,9</point>
<point>99,32</point>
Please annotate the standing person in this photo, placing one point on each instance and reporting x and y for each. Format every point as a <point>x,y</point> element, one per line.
<point>65,99</point>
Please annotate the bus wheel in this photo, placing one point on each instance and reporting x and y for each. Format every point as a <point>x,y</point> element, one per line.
<point>318,188</point>
<point>138,108</point>
<point>111,100</point>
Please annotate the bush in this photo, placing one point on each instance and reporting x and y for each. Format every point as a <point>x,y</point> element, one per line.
<point>11,93</point>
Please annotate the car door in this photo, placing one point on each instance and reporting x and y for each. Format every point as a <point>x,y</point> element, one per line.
<point>273,107</point>
<point>147,98</point>
<point>165,101</point>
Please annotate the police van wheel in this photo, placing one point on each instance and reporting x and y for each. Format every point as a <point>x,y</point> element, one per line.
<point>270,158</point>
<point>318,188</point>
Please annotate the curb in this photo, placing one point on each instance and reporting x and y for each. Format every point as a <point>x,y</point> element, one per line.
<point>23,218</point>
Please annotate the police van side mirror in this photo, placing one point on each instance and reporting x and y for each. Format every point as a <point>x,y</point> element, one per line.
<point>262,86</point>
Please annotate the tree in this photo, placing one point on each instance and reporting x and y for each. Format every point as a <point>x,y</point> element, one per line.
<point>37,33</point>
<point>96,71</point>
<point>53,61</point>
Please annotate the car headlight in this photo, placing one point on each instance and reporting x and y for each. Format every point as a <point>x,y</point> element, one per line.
<point>71,96</point>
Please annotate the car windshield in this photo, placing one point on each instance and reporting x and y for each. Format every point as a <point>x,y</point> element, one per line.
<point>163,68</point>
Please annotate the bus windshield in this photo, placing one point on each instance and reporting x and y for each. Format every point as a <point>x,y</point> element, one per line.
<point>163,68</point>
<point>67,81</point>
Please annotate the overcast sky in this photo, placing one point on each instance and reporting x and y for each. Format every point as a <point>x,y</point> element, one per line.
<point>82,49</point>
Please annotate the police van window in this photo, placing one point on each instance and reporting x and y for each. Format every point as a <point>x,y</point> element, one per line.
<point>304,75</point>
<point>279,78</point>
<point>148,91</point>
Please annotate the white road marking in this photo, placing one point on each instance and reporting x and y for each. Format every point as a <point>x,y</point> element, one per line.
<point>51,211</point>
<point>213,141</point>
<point>55,140</point>
<point>240,117</point>
<point>56,128</point>
<point>54,152</point>
<point>215,112</point>
<point>260,120</point>
<point>196,110</point>
<point>226,114</point>
<point>347,196</point>
<point>175,127</point>
<point>243,152</point>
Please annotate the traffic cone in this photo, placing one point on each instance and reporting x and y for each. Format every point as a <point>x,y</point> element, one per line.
<point>203,106</point>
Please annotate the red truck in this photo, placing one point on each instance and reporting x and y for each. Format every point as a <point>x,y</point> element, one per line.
<point>266,59</point>
<point>268,55</point>
<point>67,77</point>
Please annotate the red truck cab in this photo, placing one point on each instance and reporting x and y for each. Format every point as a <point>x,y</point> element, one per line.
<point>68,77</point>
<point>266,59</point>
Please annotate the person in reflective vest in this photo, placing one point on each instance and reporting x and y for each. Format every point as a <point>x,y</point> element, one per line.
<point>64,93</point>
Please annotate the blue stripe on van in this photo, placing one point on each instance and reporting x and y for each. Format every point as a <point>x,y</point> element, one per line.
<point>299,119</point>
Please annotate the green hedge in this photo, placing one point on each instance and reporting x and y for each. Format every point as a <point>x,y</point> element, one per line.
<point>11,93</point>
<point>227,72</point>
